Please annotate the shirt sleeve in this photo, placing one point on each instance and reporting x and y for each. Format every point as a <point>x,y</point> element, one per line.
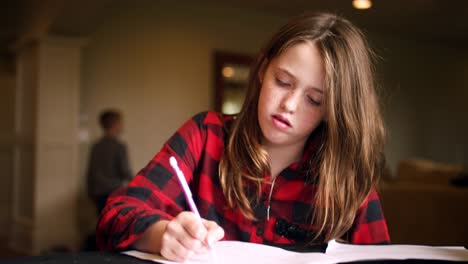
<point>369,225</point>
<point>90,177</point>
<point>123,163</point>
<point>154,193</point>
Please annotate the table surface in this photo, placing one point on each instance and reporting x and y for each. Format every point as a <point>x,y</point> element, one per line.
<point>91,257</point>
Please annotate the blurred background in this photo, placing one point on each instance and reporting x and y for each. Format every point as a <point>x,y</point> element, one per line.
<point>63,62</point>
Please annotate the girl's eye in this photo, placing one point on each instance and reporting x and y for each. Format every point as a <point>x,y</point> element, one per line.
<point>281,83</point>
<point>313,102</point>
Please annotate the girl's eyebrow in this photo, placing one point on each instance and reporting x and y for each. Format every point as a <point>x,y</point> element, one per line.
<point>317,89</point>
<point>286,71</point>
<point>294,77</point>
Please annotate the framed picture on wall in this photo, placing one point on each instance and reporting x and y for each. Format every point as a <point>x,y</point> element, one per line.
<point>231,73</point>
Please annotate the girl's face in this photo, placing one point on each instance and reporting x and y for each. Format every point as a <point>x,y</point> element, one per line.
<point>291,99</point>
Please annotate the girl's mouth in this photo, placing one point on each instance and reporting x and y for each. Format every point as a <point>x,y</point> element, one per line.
<point>281,121</point>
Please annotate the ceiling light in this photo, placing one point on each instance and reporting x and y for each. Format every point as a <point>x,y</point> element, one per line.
<point>362,4</point>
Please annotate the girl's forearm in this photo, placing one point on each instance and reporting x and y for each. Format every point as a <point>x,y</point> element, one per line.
<point>151,239</point>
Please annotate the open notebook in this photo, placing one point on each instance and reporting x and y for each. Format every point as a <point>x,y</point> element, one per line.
<point>235,252</point>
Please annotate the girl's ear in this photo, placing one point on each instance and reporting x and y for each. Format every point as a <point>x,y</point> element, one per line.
<point>262,70</point>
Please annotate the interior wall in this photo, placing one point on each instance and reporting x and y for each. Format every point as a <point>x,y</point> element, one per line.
<point>424,88</point>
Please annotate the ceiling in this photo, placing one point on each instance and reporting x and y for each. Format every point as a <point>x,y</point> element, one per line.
<point>436,20</point>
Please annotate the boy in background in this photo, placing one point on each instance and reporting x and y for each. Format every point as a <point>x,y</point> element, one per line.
<point>108,167</point>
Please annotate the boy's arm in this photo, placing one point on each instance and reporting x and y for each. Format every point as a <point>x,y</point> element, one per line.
<point>124,165</point>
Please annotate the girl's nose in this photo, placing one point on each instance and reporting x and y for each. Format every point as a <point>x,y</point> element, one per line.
<point>291,101</point>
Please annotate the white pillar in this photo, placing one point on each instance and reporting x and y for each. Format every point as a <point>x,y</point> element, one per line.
<point>46,180</point>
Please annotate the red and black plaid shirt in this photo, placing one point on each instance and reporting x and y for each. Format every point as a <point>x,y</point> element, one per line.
<point>155,194</point>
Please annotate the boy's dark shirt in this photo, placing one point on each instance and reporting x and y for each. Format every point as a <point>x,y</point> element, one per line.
<point>108,167</point>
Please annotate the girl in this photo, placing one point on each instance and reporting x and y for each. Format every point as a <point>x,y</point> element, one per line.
<point>298,165</point>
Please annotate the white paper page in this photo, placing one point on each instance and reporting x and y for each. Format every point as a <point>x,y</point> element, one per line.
<point>235,252</point>
<point>347,253</point>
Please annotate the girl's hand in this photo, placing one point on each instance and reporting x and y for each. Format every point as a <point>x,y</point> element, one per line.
<point>185,236</point>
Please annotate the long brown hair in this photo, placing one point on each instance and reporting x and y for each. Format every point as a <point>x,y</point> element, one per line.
<point>349,159</point>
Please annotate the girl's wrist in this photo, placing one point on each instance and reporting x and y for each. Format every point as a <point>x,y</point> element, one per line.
<point>151,239</point>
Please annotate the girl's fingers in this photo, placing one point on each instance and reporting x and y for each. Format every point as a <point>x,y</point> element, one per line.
<point>215,232</point>
<point>192,225</point>
<point>184,229</point>
<point>172,249</point>
<point>180,231</point>
<point>186,235</point>
<point>192,244</point>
